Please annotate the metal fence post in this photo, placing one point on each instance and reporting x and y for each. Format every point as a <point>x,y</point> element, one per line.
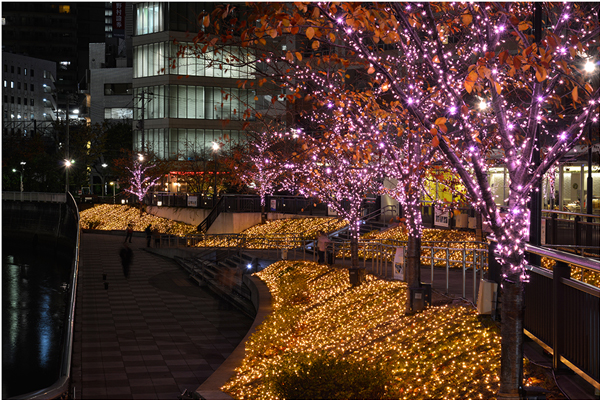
<point>577,230</point>
<point>560,270</point>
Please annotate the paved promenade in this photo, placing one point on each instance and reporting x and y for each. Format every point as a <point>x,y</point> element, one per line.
<point>156,333</point>
<point>149,336</point>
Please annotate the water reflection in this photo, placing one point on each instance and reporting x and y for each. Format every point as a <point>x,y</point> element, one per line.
<point>34,306</point>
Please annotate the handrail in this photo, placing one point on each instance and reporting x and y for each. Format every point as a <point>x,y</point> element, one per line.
<point>571,213</point>
<point>211,217</point>
<point>62,384</point>
<point>583,262</point>
<point>35,196</point>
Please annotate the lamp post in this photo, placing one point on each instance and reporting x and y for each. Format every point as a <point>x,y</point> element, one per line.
<point>215,147</point>
<point>68,164</point>
<point>113,187</point>
<point>21,176</point>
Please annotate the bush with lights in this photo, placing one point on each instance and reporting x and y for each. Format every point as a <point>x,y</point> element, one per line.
<point>319,322</point>
<point>108,217</point>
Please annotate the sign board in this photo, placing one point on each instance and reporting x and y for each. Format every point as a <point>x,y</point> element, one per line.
<point>192,201</point>
<point>273,205</point>
<point>331,211</point>
<point>399,264</point>
<point>543,232</point>
<point>442,218</point>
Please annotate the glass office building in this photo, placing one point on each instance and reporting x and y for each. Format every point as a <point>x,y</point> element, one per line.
<point>181,97</point>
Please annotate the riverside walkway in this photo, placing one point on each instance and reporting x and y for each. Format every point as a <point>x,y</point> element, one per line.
<point>155,334</point>
<point>150,336</point>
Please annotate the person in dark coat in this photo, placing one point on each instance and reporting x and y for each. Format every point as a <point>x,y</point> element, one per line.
<point>148,231</point>
<point>126,255</point>
<point>129,233</point>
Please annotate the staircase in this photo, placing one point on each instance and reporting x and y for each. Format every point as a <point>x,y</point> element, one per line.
<point>221,271</point>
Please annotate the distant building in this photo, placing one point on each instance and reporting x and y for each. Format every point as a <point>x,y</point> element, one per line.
<point>28,92</point>
<point>179,112</point>
<point>55,32</point>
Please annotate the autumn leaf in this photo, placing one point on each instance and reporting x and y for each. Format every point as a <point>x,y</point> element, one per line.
<point>206,21</point>
<point>467,19</point>
<point>310,32</point>
<point>470,81</point>
<point>299,56</point>
<point>498,87</point>
<point>435,142</point>
<point>541,74</point>
<point>315,45</point>
<point>524,25</point>
<point>370,70</point>
<point>575,94</point>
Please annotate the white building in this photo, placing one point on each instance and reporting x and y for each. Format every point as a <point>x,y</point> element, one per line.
<point>28,92</point>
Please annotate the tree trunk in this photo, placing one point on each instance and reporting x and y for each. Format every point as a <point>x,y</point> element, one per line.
<point>512,313</point>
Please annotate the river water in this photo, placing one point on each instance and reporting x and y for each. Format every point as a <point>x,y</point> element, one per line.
<point>35,296</point>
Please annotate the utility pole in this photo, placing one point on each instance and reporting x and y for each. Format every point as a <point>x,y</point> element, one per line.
<point>140,124</point>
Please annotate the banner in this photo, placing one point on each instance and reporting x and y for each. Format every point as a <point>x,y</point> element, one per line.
<point>399,264</point>
<point>192,201</point>
<point>442,218</point>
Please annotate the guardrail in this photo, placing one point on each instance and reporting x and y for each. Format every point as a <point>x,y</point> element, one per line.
<point>61,387</point>
<point>580,230</point>
<point>563,315</point>
<point>35,196</point>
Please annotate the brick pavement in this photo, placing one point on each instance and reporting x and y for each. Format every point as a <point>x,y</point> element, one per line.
<point>149,336</point>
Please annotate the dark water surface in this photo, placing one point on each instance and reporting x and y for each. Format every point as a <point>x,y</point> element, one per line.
<point>35,295</point>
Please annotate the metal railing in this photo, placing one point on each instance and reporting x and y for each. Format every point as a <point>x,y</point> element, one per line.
<point>35,196</point>
<point>70,229</point>
<point>376,257</point>
<point>563,315</point>
<point>573,229</point>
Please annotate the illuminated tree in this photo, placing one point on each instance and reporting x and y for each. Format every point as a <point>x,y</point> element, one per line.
<point>338,163</point>
<point>262,172</point>
<point>140,179</point>
<point>492,78</point>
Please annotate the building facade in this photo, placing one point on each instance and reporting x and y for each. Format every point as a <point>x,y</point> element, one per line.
<point>184,100</point>
<point>28,93</point>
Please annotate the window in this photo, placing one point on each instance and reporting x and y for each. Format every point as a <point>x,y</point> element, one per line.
<point>25,101</point>
<point>32,74</point>
<point>31,103</point>
<point>12,69</point>
<point>18,70</point>
<point>149,18</point>
<point>118,113</point>
<point>25,71</point>
<point>116,89</point>
<point>18,85</point>
<point>32,88</point>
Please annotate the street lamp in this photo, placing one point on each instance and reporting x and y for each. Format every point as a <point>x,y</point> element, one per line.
<point>215,147</point>
<point>68,164</point>
<point>21,176</point>
<point>113,186</point>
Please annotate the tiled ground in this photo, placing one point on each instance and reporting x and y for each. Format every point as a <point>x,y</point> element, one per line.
<point>149,336</point>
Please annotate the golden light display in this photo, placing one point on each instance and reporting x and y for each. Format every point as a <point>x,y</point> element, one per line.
<point>276,234</point>
<point>108,217</point>
<point>443,352</point>
<point>438,237</point>
<point>577,273</point>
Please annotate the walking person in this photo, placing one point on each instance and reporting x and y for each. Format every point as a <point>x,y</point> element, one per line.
<point>322,241</point>
<point>126,255</point>
<point>148,231</point>
<point>129,232</point>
